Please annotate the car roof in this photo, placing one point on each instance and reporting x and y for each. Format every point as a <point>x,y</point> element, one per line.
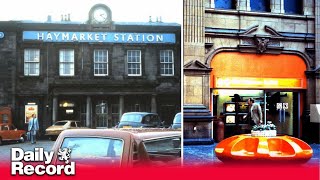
<point>138,133</point>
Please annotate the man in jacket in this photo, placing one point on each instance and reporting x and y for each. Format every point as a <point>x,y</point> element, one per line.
<point>255,112</point>
<point>33,127</point>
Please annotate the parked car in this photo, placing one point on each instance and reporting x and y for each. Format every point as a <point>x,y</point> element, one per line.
<point>140,119</point>
<point>59,126</point>
<point>8,132</point>
<point>176,121</point>
<point>120,147</point>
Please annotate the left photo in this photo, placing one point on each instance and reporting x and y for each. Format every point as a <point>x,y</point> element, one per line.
<point>90,83</point>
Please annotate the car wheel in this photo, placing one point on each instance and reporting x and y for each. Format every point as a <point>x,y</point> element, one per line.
<point>22,139</point>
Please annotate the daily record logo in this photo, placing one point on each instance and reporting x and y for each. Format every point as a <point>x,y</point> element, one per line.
<point>21,162</point>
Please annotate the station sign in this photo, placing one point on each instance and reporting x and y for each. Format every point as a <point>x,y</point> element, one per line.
<point>99,37</point>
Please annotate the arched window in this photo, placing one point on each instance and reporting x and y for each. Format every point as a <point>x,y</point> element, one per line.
<point>293,6</point>
<point>260,5</point>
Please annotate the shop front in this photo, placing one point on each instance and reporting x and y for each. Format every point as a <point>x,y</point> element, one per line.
<point>276,82</point>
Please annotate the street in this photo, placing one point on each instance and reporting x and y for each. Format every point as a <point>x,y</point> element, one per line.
<point>5,149</point>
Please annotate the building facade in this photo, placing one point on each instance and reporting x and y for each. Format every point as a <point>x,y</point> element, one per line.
<point>92,72</point>
<point>263,49</point>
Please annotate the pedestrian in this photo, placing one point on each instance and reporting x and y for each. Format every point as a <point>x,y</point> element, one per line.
<point>255,112</point>
<point>33,128</point>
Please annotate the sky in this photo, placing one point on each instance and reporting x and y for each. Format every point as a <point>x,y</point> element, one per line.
<point>122,10</point>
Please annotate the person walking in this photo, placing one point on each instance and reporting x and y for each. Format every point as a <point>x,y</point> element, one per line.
<point>33,127</point>
<point>255,112</point>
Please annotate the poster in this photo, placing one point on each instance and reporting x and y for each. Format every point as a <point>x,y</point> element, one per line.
<point>29,110</point>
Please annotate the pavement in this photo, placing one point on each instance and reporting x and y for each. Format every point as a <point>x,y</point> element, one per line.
<point>204,155</point>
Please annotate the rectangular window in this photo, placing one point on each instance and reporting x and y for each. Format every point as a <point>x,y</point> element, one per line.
<point>293,6</point>
<point>31,62</point>
<point>225,4</point>
<point>134,62</point>
<point>260,5</point>
<point>100,62</point>
<point>66,60</point>
<point>166,63</point>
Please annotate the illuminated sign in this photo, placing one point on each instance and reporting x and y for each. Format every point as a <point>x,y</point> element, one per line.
<point>29,110</point>
<point>242,82</point>
<point>1,35</point>
<point>103,37</point>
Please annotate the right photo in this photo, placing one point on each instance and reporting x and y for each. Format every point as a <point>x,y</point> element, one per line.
<point>251,82</point>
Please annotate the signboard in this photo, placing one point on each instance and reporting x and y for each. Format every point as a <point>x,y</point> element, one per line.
<point>96,37</point>
<point>244,82</point>
<point>29,110</point>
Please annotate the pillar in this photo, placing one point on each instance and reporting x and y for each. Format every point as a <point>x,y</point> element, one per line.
<point>277,6</point>
<point>121,106</point>
<point>153,104</point>
<point>54,109</point>
<point>88,112</point>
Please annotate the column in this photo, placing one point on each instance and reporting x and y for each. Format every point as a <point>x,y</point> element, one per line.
<point>277,6</point>
<point>121,106</point>
<point>243,5</point>
<point>194,32</point>
<point>54,109</point>
<point>153,103</point>
<point>88,112</point>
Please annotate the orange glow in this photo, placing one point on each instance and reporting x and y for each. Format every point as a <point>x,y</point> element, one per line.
<point>241,82</point>
<point>259,71</point>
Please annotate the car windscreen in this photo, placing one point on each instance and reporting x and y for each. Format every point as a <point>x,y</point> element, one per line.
<point>62,123</point>
<point>94,150</point>
<point>131,118</point>
<point>177,118</point>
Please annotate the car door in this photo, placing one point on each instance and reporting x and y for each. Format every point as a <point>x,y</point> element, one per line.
<point>12,132</point>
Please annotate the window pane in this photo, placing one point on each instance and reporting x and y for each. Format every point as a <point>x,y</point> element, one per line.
<point>293,6</point>
<point>134,62</point>
<point>224,4</point>
<point>31,62</point>
<point>100,62</point>
<point>166,62</point>
<point>260,5</point>
<point>66,59</point>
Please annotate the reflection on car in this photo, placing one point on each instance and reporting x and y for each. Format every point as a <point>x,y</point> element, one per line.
<point>176,121</point>
<point>54,130</point>
<point>140,120</point>
<point>8,132</point>
<point>121,147</point>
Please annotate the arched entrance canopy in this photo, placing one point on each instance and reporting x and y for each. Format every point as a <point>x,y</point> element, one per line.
<point>256,71</point>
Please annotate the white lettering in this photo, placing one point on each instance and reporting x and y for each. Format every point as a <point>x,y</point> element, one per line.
<point>137,37</point>
<point>40,36</point>
<point>159,38</point>
<point>40,170</point>
<point>48,156</point>
<point>65,36</point>
<point>51,169</point>
<point>130,38</point>
<point>56,35</point>
<point>28,169</point>
<point>116,37</point>
<point>150,38</point>
<point>96,37</point>
<point>122,36</point>
<point>16,166</point>
<point>104,37</point>
<point>74,37</point>
<point>90,37</point>
<point>70,169</point>
<point>49,37</point>
<point>15,152</point>
<point>82,37</point>
<point>28,156</point>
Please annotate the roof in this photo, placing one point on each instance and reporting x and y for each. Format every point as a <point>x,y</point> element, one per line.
<point>140,133</point>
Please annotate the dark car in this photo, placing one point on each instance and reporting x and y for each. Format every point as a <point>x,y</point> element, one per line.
<point>176,121</point>
<point>120,147</point>
<point>140,120</point>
